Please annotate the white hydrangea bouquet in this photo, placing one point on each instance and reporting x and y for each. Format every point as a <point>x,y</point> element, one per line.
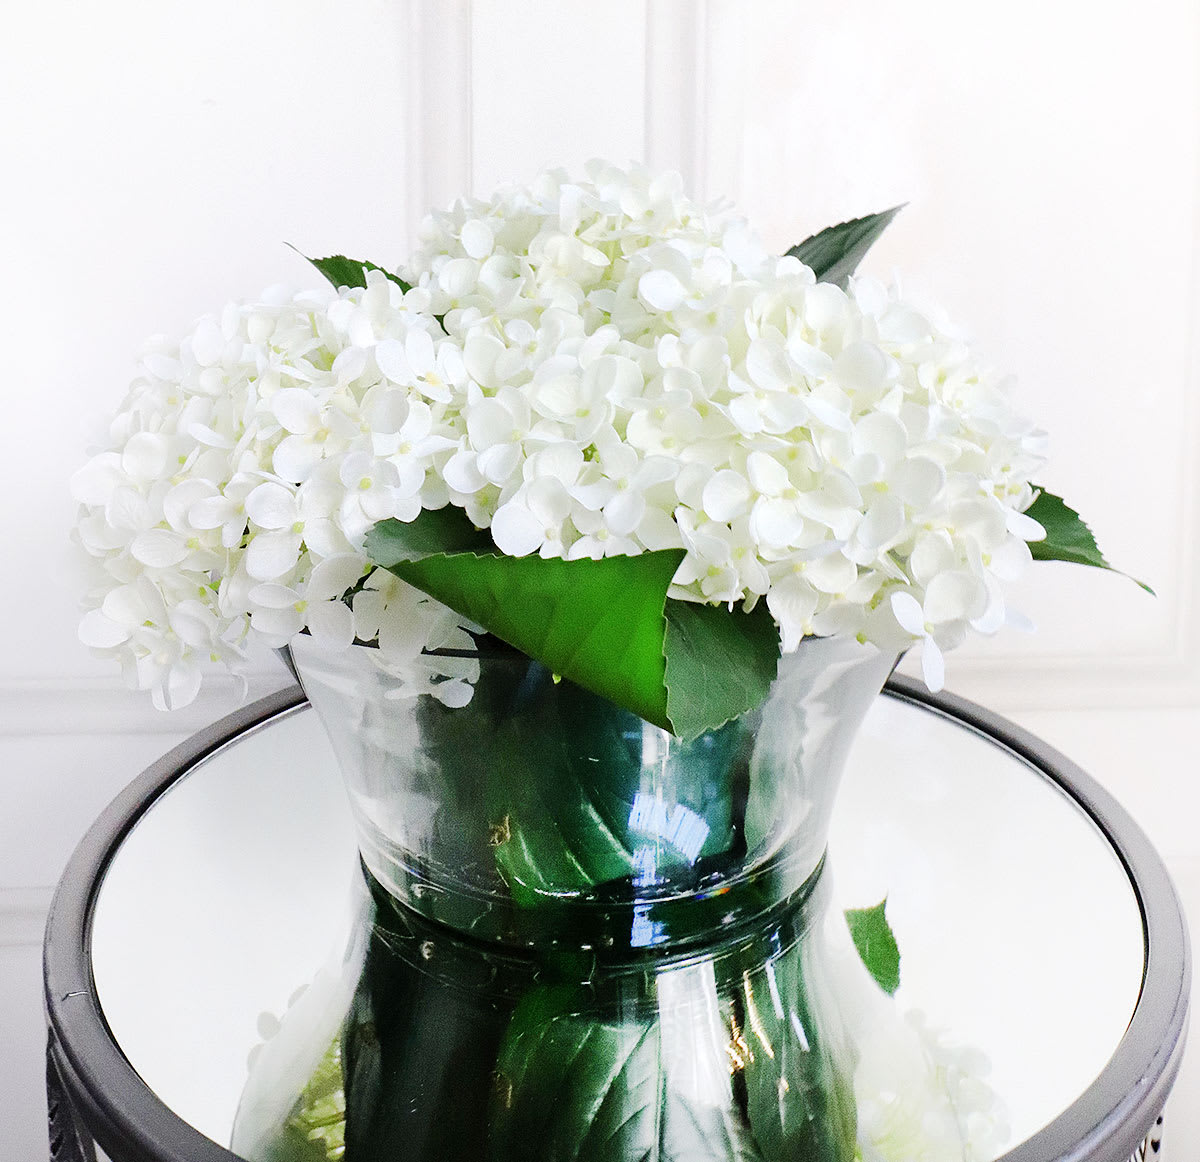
<point>599,370</point>
<point>593,423</point>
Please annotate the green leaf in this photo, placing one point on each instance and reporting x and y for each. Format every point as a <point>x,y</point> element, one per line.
<point>719,664</point>
<point>606,625</point>
<point>419,1039</point>
<point>586,1087</point>
<point>834,253</point>
<point>342,271</point>
<point>797,1066</point>
<point>1068,538</point>
<point>575,1085</point>
<point>567,784</point>
<point>876,944</point>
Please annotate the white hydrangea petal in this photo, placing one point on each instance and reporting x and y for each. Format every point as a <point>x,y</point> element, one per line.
<point>499,462</point>
<point>908,613</point>
<point>882,435</point>
<point>334,576</point>
<point>917,481</point>
<point>95,482</point>
<point>661,290</point>
<point>829,415</point>
<point>457,278</point>
<point>776,523</point>
<point>296,410</point>
<point>489,423</point>
<point>277,626</point>
<point>182,685</point>
<point>272,506</point>
<point>159,548</point>
<point>862,368</point>
<point>144,456</point>
<point>180,500</point>
<point>477,238</point>
<point>792,603</point>
<point>624,512</point>
<point>271,596</point>
<point>127,509</point>
<point>882,524</point>
<point>211,513</point>
<point>272,554</point>
<point>193,624</point>
<point>954,596</point>
<point>296,459</point>
<point>207,343</point>
<point>331,624</point>
<point>993,617</point>
<point>453,693</point>
<point>933,665</point>
<point>1024,526</point>
<point>516,531</point>
<point>1010,560</point>
<point>766,474</point>
<point>101,632</point>
<point>392,361</point>
<point>932,554</point>
<point>831,574</point>
<point>726,496</point>
<point>461,472</point>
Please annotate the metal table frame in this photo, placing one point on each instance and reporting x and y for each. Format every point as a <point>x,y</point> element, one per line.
<point>95,1095</point>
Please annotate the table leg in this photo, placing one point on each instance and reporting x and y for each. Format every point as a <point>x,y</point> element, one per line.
<point>1151,1148</point>
<point>69,1142</point>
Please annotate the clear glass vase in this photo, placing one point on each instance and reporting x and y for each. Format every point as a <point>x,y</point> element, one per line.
<point>586,939</point>
<point>539,814</point>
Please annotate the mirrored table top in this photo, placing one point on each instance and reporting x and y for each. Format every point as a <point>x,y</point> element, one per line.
<point>1014,887</point>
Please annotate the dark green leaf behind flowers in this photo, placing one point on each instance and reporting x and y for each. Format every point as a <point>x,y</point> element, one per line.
<point>1068,538</point>
<point>606,625</point>
<point>342,271</point>
<point>835,252</point>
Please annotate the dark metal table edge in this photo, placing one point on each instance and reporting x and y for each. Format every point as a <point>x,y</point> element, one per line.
<point>1114,1116</point>
<point>1108,1122</point>
<point>136,1126</point>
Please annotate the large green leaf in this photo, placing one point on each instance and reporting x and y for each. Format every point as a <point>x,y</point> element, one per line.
<point>419,1045</point>
<point>1068,538</point>
<point>876,944</point>
<point>797,1069</point>
<point>606,625</point>
<point>569,779</point>
<point>578,1086</point>
<point>836,251</point>
<point>342,271</point>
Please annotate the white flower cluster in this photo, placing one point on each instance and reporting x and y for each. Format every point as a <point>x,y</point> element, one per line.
<point>588,369</point>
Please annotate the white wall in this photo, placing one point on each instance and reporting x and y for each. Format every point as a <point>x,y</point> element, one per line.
<point>158,157</point>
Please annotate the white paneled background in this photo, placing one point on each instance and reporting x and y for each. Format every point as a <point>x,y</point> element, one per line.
<point>156,158</point>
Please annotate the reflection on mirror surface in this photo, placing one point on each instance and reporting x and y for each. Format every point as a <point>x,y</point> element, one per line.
<point>1019,931</point>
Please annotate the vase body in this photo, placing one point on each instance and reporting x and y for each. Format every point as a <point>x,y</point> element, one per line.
<point>586,939</point>
<point>539,814</point>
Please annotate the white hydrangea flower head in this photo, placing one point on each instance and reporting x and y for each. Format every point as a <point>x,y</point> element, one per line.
<point>587,368</point>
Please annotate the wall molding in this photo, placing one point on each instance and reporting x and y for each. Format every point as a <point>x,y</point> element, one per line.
<point>23,913</point>
<point>439,105</point>
<point>695,57</point>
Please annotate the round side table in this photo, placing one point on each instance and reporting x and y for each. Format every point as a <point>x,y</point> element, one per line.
<point>1035,921</point>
